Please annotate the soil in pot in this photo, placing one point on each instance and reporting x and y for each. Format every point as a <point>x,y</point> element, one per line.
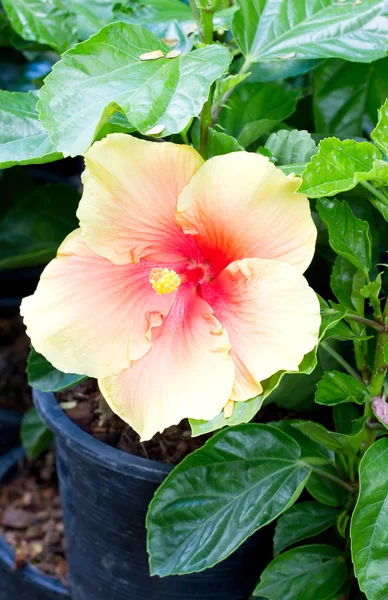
<point>31,517</point>
<point>85,406</point>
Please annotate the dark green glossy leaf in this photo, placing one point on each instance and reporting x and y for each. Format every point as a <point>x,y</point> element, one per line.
<point>22,137</point>
<point>290,147</point>
<point>33,228</point>
<point>164,92</point>
<point>268,30</point>
<point>34,435</point>
<point>380,132</point>
<point>341,443</point>
<point>45,21</point>
<point>348,235</point>
<point>341,281</point>
<point>309,448</point>
<point>302,521</point>
<point>43,376</point>
<point>325,490</point>
<point>344,97</point>
<point>344,416</point>
<point>338,167</point>
<point>336,387</point>
<point>255,109</point>
<point>314,572</point>
<point>242,479</point>
<point>221,143</point>
<point>369,523</point>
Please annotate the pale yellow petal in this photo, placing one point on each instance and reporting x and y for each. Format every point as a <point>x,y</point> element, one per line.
<point>131,188</point>
<point>240,205</point>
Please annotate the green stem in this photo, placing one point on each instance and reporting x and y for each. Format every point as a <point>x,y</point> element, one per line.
<point>216,112</point>
<point>206,114</point>
<point>367,322</point>
<point>379,195</point>
<point>341,361</point>
<point>379,365</point>
<point>336,480</point>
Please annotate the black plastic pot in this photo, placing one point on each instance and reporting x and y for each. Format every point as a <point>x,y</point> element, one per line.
<point>9,429</point>
<point>27,583</point>
<point>105,494</point>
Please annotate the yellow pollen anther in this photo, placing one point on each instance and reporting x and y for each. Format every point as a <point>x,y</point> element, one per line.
<point>164,281</point>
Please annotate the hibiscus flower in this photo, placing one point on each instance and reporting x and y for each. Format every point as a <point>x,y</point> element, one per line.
<point>182,290</point>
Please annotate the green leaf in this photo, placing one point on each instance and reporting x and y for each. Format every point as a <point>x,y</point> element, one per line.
<point>380,132</point>
<point>336,387</point>
<point>290,147</point>
<point>348,235</point>
<point>43,376</point>
<point>255,109</point>
<point>223,86</point>
<point>325,490</point>
<point>372,289</point>
<point>314,572</point>
<point>369,523</point>
<point>268,31</point>
<point>341,281</point>
<point>246,475</point>
<point>105,74</point>
<point>344,97</point>
<point>296,169</point>
<point>330,317</point>
<point>302,521</point>
<point>344,415</point>
<point>280,69</point>
<point>33,228</point>
<point>22,137</point>
<point>338,167</point>
<point>310,450</point>
<point>221,143</point>
<point>34,435</point>
<point>92,15</point>
<point>45,21</point>
<point>338,442</point>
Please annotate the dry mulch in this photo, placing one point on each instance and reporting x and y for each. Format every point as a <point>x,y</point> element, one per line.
<point>31,517</point>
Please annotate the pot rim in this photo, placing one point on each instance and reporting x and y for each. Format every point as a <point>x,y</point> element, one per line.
<point>29,573</point>
<point>95,450</point>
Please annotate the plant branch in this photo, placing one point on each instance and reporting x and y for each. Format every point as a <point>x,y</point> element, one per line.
<point>379,195</point>
<point>380,366</point>
<point>206,113</point>
<point>368,322</point>
<point>333,478</point>
<point>341,361</point>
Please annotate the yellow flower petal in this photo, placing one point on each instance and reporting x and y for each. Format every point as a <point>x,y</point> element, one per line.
<point>131,186</point>
<point>240,205</point>
<point>91,316</point>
